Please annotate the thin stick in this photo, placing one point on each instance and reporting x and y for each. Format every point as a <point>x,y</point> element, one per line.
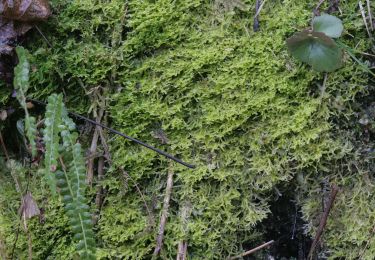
<point>260,8</point>
<point>182,245</point>
<point>369,14</point>
<point>99,190</point>
<point>252,250</point>
<point>323,220</point>
<point>3,147</point>
<point>125,173</point>
<point>316,10</point>
<point>364,17</point>
<point>124,136</point>
<point>19,224</point>
<point>368,242</point>
<point>93,147</point>
<point>43,36</point>
<point>164,215</point>
<point>256,19</point>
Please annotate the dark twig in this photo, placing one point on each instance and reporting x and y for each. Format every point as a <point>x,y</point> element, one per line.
<point>93,147</point>
<point>323,220</point>
<point>368,242</point>
<point>43,36</point>
<point>99,191</point>
<point>4,147</point>
<point>125,174</point>
<point>256,19</point>
<point>252,250</point>
<point>19,224</point>
<point>164,214</point>
<point>316,10</point>
<point>124,136</point>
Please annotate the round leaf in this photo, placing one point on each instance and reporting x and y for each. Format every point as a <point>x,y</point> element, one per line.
<point>316,49</point>
<point>328,24</point>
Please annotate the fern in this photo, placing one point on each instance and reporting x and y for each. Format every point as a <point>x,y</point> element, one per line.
<point>51,138</point>
<point>71,182</point>
<point>71,179</point>
<point>21,84</point>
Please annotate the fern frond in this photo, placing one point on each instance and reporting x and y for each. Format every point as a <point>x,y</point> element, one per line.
<point>51,132</point>
<point>21,84</point>
<point>72,188</point>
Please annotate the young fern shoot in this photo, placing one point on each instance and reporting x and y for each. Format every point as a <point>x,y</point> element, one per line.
<point>21,84</point>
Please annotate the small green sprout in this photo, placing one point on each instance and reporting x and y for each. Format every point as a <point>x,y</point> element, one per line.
<point>316,47</point>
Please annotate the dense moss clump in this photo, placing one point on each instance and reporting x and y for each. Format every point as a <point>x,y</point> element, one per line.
<point>192,78</point>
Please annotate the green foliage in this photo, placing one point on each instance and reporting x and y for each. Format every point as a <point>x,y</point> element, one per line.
<point>228,99</point>
<point>51,132</point>
<point>71,182</point>
<point>315,47</point>
<point>21,84</point>
<point>328,24</point>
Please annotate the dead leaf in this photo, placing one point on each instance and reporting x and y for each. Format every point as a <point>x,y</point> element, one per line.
<point>3,115</point>
<point>28,208</point>
<point>25,10</point>
<point>16,18</point>
<point>9,31</point>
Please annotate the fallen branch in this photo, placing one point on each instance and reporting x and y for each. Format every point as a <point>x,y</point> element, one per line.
<point>252,250</point>
<point>164,215</point>
<point>323,220</point>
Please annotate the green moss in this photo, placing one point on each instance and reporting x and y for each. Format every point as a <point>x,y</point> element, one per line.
<point>229,100</point>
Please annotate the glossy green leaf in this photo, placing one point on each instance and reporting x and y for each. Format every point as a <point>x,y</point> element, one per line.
<point>328,24</point>
<point>316,49</point>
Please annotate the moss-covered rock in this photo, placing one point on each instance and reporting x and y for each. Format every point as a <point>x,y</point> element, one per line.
<point>229,100</point>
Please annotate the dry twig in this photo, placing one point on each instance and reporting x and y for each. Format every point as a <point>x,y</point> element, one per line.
<point>93,147</point>
<point>364,17</point>
<point>323,220</point>
<point>370,14</point>
<point>256,19</point>
<point>100,191</point>
<point>164,215</point>
<point>368,242</point>
<point>4,147</point>
<point>252,250</point>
